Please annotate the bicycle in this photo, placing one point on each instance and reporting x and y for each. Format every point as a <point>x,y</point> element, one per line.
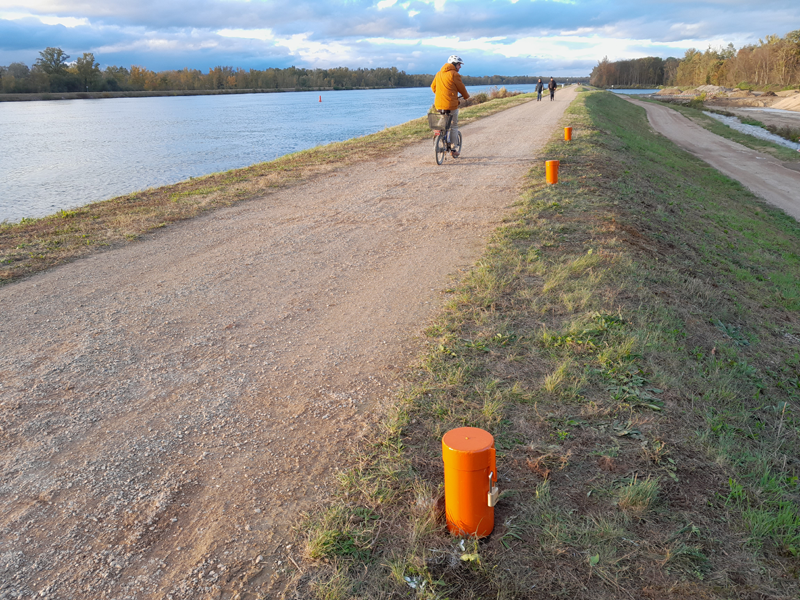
<point>439,122</point>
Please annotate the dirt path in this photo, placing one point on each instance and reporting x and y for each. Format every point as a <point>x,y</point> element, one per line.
<point>774,181</point>
<point>168,408</point>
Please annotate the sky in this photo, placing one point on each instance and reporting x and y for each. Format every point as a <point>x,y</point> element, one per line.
<point>493,37</point>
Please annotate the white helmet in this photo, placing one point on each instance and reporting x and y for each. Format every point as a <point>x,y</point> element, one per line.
<point>455,60</point>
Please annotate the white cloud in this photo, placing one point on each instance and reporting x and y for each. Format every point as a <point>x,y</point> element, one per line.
<point>321,54</point>
<point>438,5</point>
<point>46,19</point>
<point>386,4</point>
<point>250,34</point>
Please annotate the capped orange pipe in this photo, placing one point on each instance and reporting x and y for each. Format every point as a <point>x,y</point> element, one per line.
<point>568,134</point>
<point>470,475</point>
<point>551,171</point>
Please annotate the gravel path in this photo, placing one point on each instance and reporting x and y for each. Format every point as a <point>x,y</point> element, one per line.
<point>168,408</point>
<point>767,177</point>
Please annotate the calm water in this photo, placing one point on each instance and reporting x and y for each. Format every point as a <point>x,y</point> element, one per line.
<point>63,154</point>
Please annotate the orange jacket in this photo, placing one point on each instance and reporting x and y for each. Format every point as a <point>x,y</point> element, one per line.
<point>446,85</point>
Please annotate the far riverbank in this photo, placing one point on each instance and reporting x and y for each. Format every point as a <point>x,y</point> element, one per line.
<point>160,93</point>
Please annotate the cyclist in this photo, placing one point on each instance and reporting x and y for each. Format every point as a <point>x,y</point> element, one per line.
<point>446,85</point>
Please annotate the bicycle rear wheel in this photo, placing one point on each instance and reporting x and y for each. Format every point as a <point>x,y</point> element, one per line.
<point>439,148</point>
<point>457,145</point>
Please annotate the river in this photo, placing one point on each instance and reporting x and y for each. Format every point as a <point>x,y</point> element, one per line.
<point>63,154</point>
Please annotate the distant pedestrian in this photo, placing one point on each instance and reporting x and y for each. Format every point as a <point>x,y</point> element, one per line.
<point>539,88</point>
<point>552,87</point>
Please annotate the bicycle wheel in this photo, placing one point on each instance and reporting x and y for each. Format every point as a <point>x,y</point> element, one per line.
<point>457,145</point>
<point>439,148</point>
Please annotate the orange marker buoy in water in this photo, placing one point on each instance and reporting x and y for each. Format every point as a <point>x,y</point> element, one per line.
<point>470,481</point>
<point>551,171</point>
<point>568,134</point>
<point>320,98</point>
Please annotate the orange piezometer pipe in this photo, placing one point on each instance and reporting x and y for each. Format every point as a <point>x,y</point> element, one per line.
<point>470,473</point>
<point>551,171</point>
<point>568,134</point>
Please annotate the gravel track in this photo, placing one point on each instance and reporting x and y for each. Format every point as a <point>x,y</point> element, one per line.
<point>168,408</point>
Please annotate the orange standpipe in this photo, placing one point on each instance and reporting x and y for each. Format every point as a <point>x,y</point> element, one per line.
<point>551,171</point>
<point>470,475</point>
<point>568,134</point>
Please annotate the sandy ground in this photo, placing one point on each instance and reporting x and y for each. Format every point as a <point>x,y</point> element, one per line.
<point>167,409</point>
<point>767,177</point>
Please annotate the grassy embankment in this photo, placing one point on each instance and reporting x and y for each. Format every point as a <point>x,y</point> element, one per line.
<point>631,337</point>
<point>37,244</point>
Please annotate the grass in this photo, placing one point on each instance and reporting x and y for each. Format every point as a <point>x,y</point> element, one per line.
<point>34,245</point>
<point>631,339</point>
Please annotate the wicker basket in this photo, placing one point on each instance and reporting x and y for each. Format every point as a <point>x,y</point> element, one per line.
<point>438,121</point>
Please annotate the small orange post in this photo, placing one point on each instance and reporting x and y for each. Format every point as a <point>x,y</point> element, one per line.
<point>470,475</point>
<point>320,98</point>
<point>551,171</point>
<point>568,134</point>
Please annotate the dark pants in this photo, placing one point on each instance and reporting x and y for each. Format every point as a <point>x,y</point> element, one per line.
<point>538,95</point>
<point>552,94</point>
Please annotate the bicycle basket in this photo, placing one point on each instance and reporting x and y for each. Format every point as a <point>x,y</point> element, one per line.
<point>437,121</point>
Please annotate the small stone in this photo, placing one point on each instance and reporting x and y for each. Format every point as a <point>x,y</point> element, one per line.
<point>259,559</point>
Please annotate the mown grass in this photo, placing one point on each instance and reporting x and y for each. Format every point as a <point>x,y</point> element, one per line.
<point>34,245</point>
<point>631,339</point>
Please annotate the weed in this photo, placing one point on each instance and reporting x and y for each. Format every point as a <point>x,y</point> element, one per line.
<point>687,559</point>
<point>638,496</point>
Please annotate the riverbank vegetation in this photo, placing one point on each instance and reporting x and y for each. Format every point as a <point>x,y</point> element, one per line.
<point>54,73</point>
<point>774,63</point>
<point>631,338</point>
<point>37,244</point>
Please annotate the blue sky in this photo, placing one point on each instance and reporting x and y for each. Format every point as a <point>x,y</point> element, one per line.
<point>505,37</point>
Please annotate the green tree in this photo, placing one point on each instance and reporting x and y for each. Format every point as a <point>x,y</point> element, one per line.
<point>88,70</point>
<point>52,61</point>
<point>116,78</point>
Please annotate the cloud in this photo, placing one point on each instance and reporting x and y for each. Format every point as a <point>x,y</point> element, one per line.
<point>494,36</point>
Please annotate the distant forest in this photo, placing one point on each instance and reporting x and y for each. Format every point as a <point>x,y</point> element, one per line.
<point>774,62</point>
<point>53,72</point>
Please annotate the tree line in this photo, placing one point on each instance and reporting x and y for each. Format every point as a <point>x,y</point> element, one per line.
<point>774,61</point>
<point>53,72</point>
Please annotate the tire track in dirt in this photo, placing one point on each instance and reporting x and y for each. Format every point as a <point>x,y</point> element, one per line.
<point>168,408</point>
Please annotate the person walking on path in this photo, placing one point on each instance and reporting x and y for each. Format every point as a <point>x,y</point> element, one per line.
<point>552,87</point>
<point>539,88</point>
<point>447,85</point>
